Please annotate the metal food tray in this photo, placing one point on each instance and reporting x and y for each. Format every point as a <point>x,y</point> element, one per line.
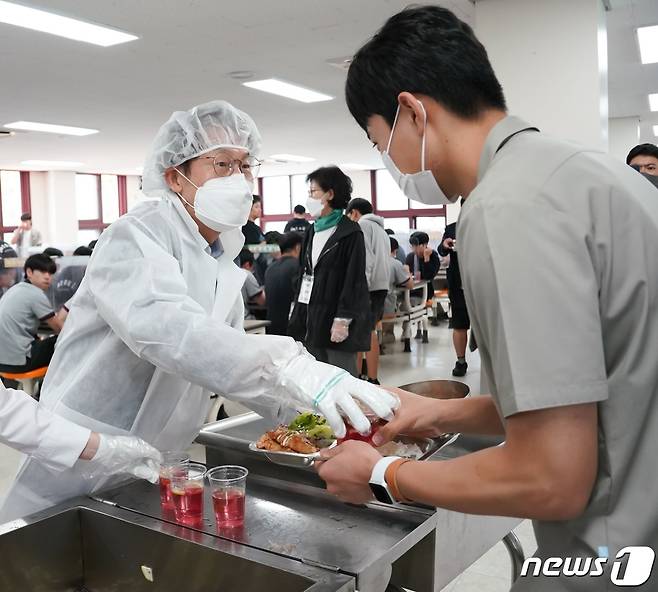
<point>236,436</point>
<point>288,459</point>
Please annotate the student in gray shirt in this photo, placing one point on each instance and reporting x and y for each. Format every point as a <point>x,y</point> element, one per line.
<point>22,309</point>
<point>252,292</point>
<point>558,250</point>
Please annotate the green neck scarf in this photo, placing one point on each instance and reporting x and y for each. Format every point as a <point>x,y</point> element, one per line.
<point>328,221</point>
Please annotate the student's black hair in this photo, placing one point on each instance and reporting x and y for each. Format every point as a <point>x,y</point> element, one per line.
<point>363,206</point>
<point>331,177</point>
<point>52,252</point>
<point>82,251</point>
<point>246,256</point>
<point>425,50</point>
<point>389,231</point>
<point>642,150</point>
<point>255,199</point>
<point>419,238</point>
<point>394,243</point>
<point>299,209</point>
<point>272,237</point>
<point>40,262</point>
<point>92,244</point>
<point>26,216</point>
<point>289,240</point>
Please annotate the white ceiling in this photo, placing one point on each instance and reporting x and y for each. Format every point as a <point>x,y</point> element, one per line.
<point>630,81</point>
<point>185,52</point>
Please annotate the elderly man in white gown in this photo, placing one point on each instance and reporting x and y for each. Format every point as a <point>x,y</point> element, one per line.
<point>156,325</point>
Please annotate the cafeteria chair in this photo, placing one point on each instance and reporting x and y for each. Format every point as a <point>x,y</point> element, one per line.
<point>27,381</point>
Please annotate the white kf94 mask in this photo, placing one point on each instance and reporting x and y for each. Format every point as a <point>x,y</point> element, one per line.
<point>421,186</point>
<point>222,203</point>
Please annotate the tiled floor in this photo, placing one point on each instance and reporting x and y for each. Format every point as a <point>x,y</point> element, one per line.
<point>491,573</point>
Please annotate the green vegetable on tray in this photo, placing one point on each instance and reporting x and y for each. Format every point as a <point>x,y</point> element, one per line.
<point>313,425</point>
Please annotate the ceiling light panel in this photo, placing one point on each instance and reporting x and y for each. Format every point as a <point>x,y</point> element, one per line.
<point>648,40</point>
<point>653,101</point>
<point>291,158</point>
<point>50,128</point>
<point>52,163</point>
<point>62,26</point>
<point>288,90</point>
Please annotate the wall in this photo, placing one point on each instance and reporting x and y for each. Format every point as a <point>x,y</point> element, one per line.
<point>551,58</point>
<point>54,207</point>
<point>624,134</point>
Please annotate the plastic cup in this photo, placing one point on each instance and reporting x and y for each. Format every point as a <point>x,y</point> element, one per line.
<point>170,459</point>
<point>228,484</point>
<point>187,492</point>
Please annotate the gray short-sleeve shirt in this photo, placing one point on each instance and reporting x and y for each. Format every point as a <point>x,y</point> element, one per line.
<point>398,276</point>
<point>250,289</point>
<point>559,257</point>
<point>22,308</point>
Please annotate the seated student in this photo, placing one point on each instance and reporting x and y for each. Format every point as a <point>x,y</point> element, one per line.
<point>263,260</point>
<point>22,309</point>
<point>299,223</point>
<point>252,292</point>
<point>423,261</point>
<point>52,252</point>
<point>83,252</point>
<point>400,277</point>
<point>8,275</point>
<point>401,255</point>
<point>280,279</point>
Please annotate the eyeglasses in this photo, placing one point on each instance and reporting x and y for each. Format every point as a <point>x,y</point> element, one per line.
<point>312,191</point>
<point>224,167</point>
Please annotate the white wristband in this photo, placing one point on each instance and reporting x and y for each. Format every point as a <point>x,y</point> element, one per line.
<point>379,470</point>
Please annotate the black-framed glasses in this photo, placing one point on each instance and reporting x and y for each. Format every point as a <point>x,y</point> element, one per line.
<point>224,166</point>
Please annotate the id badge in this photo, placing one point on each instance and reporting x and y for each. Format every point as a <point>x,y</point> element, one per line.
<point>305,289</point>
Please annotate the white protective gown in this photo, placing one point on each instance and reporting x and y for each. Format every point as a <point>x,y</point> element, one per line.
<point>155,328</point>
<point>32,429</point>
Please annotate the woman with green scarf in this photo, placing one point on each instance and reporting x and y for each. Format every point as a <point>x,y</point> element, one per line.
<point>331,315</point>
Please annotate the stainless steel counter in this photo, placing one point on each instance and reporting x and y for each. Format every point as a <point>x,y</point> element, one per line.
<point>305,524</point>
<point>379,540</point>
<point>87,546</point>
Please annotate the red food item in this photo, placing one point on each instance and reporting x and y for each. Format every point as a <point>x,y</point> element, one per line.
<point>353,434</point>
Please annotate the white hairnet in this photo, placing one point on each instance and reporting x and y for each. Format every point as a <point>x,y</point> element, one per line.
<point>188,134</point>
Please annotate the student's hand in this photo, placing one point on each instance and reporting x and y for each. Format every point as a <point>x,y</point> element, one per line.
<point>347,469</point>
<point>417,416</point>
<point>427,253</point>
<point>448,243</point>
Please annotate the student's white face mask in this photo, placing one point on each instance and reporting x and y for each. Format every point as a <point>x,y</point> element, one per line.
<point>421,186</point>
<point>222,203</point>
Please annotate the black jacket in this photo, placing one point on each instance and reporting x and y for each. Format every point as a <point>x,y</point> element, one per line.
<point>427,269</point>
<point>339,290</point>
<point>453,274</point>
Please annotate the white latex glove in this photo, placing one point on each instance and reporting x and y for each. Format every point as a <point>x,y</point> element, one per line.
<point>125,454</point>
<point>331,391</point>
<point>340,330</point>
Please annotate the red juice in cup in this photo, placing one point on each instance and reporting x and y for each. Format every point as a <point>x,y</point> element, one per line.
<point>188,503</point>
<point>228,484</point>
<point>170,460</point>
<point>166,500</point>
<point>187,492</point>
<point>229,507</point>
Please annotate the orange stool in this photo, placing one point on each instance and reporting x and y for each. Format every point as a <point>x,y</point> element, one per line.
<point>26,380</point>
